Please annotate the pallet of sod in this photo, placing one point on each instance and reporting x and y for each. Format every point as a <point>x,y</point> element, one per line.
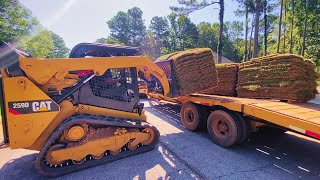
<point>281,76</point>
<point>193,69</point>
<point>227,80</point>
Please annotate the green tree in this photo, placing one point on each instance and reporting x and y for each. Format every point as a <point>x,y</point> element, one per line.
<point>246,7</point>
<point>303,20</point>
<point>232,48</point>
<point>305,24</point>
<point>151,45</point>
<point>172,37</point>
<point>128,27</point>
<point>291,25</point>
<point>187,33</point>
<point>280,25</point>
<point>159,26</point>
<point>101,40</point>
<point>59,47</point>
<point>256,28</point>
<point>236,30</point>
<point>111,40</point>
<point>108,40</point>
<point>38,45</point>
<point>15,20</point>
<point>190,6</point>
<point>313,33</point>
<point>182,34</point>
<point>207,36</point>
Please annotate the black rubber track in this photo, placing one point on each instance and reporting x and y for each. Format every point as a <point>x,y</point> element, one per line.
<point>45,170</point>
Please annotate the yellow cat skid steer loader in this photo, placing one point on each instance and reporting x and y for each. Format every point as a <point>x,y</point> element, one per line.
<point>80,111</point>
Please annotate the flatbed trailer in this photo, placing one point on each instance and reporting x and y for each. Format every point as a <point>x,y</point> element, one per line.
<point>230,120</point>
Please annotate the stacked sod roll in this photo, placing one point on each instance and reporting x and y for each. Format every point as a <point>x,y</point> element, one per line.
<point>280,76</point>
<point>193,69</point>
<point>227,80</point>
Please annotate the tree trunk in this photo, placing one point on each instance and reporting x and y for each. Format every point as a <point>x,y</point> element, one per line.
<point>284,28</point>
<point>250,40</point>
<point>221,14</point>
<point>305,29</point>
<point>256,30</point>
<point>280,24</point>
<point>291,28</point>
<point>246,33</point>
<point>265,28</point>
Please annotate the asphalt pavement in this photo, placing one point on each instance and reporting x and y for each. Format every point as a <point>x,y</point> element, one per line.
<point>182,154</point>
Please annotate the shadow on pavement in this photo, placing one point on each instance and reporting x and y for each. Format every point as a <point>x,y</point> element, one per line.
<point>182,154</point>
<point>281,156</point>
<point>156,164</point>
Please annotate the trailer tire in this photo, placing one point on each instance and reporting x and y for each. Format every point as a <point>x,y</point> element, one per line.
<point>224,128</point>
<point>245,126</point>
<point>191,117</point>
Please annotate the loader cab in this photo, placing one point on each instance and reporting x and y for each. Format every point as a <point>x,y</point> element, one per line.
<point>116,88</point>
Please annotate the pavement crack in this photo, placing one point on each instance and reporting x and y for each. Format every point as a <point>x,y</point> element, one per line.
<point>193,169</point>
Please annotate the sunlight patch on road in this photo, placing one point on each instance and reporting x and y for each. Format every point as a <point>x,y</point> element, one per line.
<point>165,157</point>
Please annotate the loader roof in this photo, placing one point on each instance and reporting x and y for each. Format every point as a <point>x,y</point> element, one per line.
<point>102,50</point>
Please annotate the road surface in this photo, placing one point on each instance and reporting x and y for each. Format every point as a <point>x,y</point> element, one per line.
<point>182,154</point>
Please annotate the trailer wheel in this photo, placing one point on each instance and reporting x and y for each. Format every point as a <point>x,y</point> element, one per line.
<point>224,128</point>
<point>191,116</point>
<point>245,126</point>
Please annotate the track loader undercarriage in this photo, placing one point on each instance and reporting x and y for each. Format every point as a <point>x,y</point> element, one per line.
<point>94,140</point>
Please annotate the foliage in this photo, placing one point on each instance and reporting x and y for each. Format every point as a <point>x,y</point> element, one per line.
<point>189,6</point>
<point>182,34</point>
<point>108,40</point>
<point>15,20</point>
<point>187,33</point>
<point>159,26</point>
<point>207,36</point>
<point>59,47</point>
<point>101,40</point>
<point>177,32</point>
<point>38,45</point>
<point>19,27</point>
<point>128,27</point>
<point>151,45</point>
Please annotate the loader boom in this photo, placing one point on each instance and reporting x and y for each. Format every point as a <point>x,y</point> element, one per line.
<point>41,71</point>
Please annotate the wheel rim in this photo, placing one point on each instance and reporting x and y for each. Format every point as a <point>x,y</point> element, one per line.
<point>221,127</point>
<point>189,115</point>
